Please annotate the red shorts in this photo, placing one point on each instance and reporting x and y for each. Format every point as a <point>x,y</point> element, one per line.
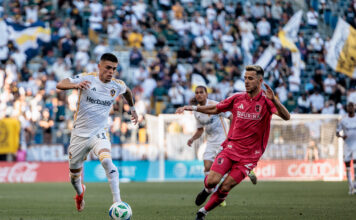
<point>237,169</point>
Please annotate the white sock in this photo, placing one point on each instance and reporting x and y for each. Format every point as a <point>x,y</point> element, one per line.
<point>209,190</point>
<point>76,180</point>
<point>113,177</point>
<point>349,180</point>
<point>203,210</point>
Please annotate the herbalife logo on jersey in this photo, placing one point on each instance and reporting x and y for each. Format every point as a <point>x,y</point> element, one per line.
<point>99,102</point>
<point>241,106</point>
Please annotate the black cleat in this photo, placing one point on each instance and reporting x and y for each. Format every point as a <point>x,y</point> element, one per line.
<point>253,177</point>
<point>201,197</point>
<point>200,216</point>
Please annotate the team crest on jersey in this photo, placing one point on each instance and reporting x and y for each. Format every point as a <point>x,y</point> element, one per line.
<point>112,92</point>
<point>220,161</point>
<point>258,108</point>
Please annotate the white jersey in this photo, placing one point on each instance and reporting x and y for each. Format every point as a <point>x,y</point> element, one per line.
<point>348,126</point>
<point>94,104</point>
<point>215,127</point>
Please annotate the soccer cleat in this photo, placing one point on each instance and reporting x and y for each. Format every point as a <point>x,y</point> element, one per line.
<point>352,191</point>
<point>201,197</point>
<point>223,204</point>
<point>253,177</point>
<point>79,200</point>
<point>200,216</point>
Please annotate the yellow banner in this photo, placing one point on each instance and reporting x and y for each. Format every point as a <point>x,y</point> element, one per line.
<point>346,63</point>
<point>286,43</point>
<point>9,135</point>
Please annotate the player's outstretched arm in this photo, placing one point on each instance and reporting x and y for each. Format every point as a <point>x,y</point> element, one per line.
<point>207,109</point>
<point>281,110</point>
<point>65,84</point>
<point>128,96</point>
<point>197,135</point>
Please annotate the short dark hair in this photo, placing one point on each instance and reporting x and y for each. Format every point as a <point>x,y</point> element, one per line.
<point>202,87</point>
<point>259,70</point>
<point>109,57</point>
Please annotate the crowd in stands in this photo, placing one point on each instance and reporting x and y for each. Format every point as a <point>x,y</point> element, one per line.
<point>167,43</point>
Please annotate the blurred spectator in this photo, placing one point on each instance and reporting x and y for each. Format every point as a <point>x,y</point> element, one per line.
<point>304,104</point>
<point>291,104</point>
<point>46,123</point>
<point>329,108</point>
<point>176,95</point>
<point>294,83</point>
<point>317,101</point>
<point>114,33</point>
<point>135,57</point>
<point>100,49</point>
<point>329,84</point>
<point>149,41</point>
<point>178,10</point>
<point>19,58</point>
<point>264,29</point>
<point>316,43</point>
<point>135,39</point>
<point>312,18</point>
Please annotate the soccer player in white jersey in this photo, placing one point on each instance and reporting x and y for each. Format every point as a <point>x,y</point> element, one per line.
<point>97,93</point>
<point>215,129</point>
<point>347,131</point>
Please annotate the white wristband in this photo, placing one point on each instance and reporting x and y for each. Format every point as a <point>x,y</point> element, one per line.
<point>132,108</point>
<point>194,107</point>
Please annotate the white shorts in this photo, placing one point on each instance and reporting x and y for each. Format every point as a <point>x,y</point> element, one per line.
<point>211,151</point>
<point>349,154</point>
<point>80,147</point>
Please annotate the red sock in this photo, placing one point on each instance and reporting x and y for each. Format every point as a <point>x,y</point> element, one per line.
<point>210,189</point>
<point>215,199</point>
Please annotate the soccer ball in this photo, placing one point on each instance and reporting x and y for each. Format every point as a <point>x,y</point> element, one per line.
<point>120,211</point>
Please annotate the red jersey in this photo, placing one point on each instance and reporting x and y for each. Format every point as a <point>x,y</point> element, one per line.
<point>250,126</point>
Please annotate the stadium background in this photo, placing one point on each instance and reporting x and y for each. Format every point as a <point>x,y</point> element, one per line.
<point>166,48</point>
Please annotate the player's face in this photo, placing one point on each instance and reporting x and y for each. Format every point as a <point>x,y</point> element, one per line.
<point>200,95</point>
<point>350,108</point>
<point>252,81</point>
<point>107,70</point>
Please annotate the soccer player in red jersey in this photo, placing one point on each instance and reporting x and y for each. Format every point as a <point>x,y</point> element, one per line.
<point>247,138</point>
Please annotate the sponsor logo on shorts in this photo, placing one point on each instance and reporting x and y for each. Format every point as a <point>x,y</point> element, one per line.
<point>229,146</point>
<point>220,161</point>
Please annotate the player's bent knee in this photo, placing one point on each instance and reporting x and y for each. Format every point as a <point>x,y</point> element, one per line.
<point>213,178</point>
<point>228,184</point>
<point>104,155</point>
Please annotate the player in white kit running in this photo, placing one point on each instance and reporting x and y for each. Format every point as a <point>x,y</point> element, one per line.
<point>97,93</point>
<point>347,131</point>
<point>215,128</point>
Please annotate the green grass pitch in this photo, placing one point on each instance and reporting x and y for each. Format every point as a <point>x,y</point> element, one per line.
<point>165,201</point>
